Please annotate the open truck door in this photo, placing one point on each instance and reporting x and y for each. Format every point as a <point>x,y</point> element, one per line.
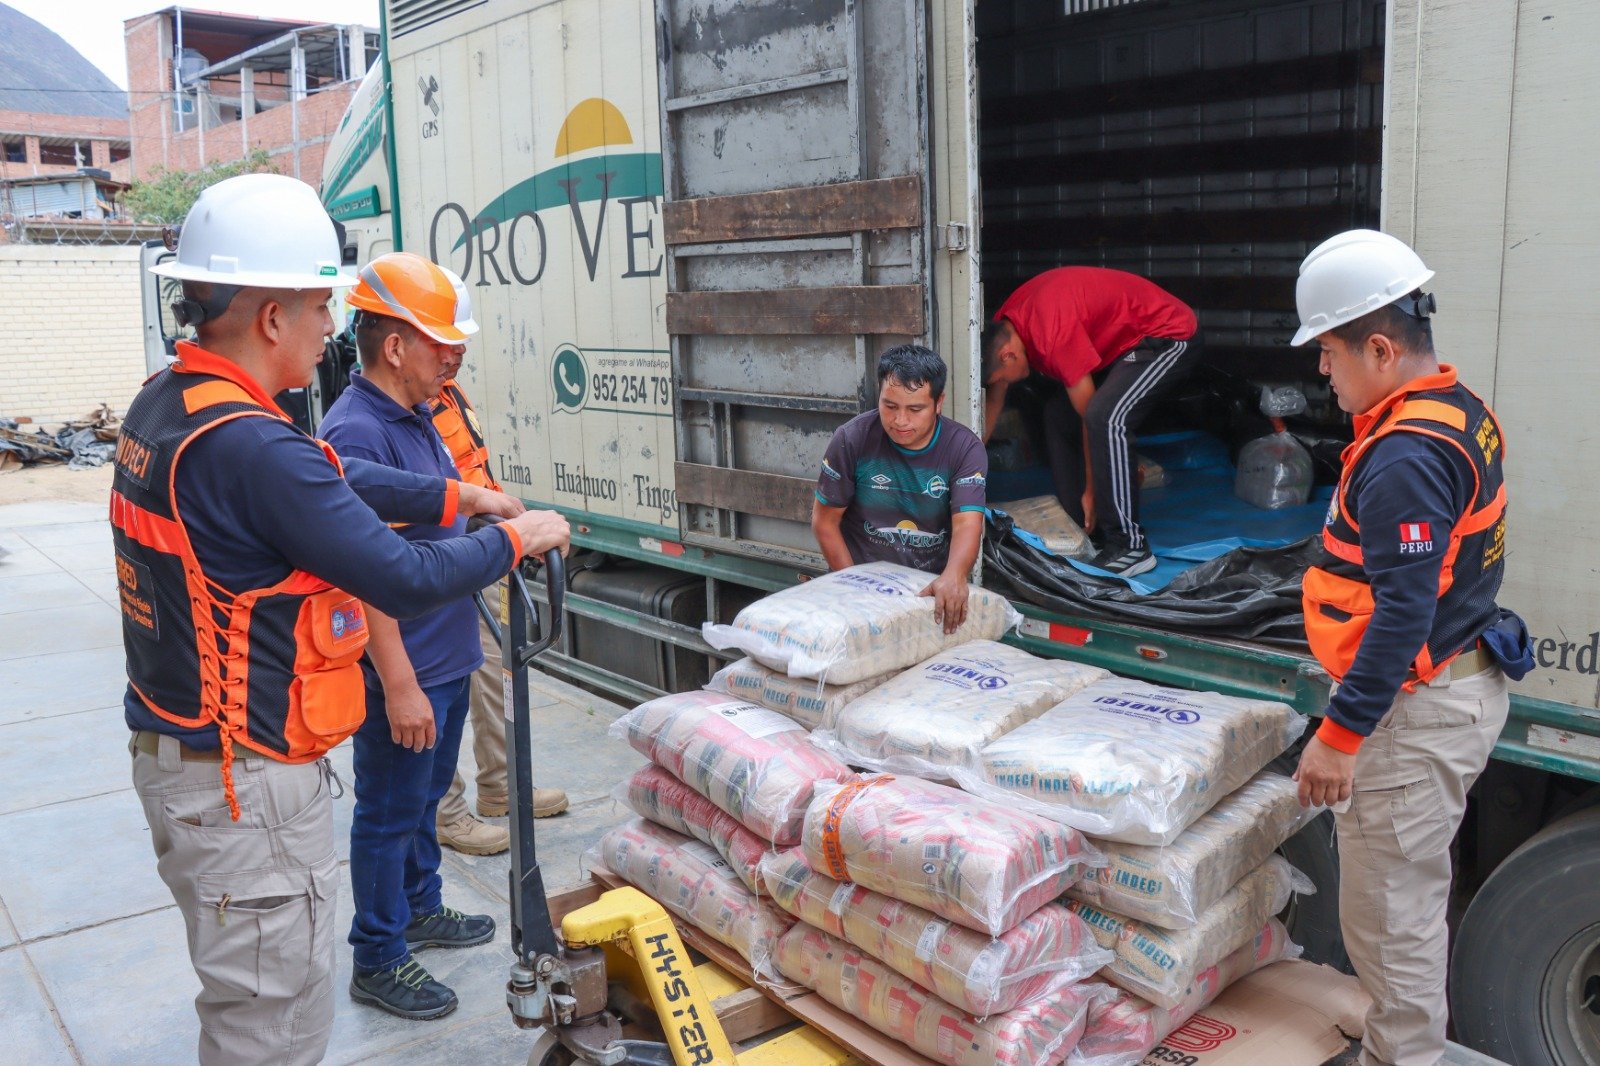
<point>799,219</point>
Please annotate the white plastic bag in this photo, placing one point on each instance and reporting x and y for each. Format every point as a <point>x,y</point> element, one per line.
<point>1134,762</point>
<point>978,863</point>
<point>939,714</point>
<point>1123,1028</point>
<point>695,884</point>
<point>811,703</point>
<point>1159,964</point>
<point>1045,518</point>
<point>1039,1033</point>
<point>655,794</point>
<point>856,623</point>
<point>1274,471</point>
<point>1172,886</point>
<point>982,975</point>
<point>753,763</point>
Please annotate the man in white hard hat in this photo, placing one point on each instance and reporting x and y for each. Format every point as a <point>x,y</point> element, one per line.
<point>244,552</point>
<point>1401,612</point>
<point>459,428</point>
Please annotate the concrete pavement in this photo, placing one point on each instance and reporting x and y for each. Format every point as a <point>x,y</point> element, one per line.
<point>93,967</point>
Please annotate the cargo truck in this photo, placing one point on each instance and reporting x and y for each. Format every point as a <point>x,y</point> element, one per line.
<point>689,228</point>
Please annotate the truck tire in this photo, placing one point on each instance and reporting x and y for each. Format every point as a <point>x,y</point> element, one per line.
<point>1525,973</point>
<point>1313,921</point>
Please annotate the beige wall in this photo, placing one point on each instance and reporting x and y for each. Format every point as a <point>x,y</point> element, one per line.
<point>71,328</point>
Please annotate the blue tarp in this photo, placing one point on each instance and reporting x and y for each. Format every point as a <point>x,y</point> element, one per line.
<point>1194,517</point>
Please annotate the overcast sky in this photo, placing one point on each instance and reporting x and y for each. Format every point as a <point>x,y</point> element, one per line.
<point>94,27</point>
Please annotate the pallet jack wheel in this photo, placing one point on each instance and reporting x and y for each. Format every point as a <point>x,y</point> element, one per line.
<point>549,1051</point>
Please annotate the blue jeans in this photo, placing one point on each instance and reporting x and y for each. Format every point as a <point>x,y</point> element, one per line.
<point>394,848</point>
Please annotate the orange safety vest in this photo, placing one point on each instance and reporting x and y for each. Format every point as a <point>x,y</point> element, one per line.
<point>276,669</point>
<point>458,427</point>
<point>1336,594</point>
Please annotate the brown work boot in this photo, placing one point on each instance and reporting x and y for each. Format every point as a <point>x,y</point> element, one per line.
<point>472,837</point>
<point>547,802</point>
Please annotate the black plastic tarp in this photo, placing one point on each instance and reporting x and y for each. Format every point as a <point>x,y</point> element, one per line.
<point>1247,594</point>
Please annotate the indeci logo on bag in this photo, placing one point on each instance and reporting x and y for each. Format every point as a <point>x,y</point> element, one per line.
<point>1175,715</point>
<point>958,673</point>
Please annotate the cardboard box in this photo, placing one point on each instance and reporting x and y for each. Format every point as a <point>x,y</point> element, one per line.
<point>1289,1014</point>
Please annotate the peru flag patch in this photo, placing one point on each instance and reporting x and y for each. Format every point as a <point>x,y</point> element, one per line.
<point>1414,532</point>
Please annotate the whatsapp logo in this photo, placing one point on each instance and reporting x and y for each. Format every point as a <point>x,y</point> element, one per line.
<point>569,379</point>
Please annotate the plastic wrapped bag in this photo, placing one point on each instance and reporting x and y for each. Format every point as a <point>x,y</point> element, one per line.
<point>695,884</point>
<point>1039,1033</point>
<point>977,863</point>
<point>655,794</point>
<point>1047,520</point>
<point>1274,472</point>
<point>808,702</point>
<point>1123,1028</point>
<point>856,623</point>
<point>940,713</point>
<point>1159,964</point>
<point>753,763</point>
<point>980,974</point>
<point>1133,762</point>
<point>1172,886</point>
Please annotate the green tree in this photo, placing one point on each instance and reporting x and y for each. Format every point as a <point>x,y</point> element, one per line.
<point>167,195</point>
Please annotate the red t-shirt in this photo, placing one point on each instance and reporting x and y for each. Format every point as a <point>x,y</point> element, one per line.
<point>1077,320</point>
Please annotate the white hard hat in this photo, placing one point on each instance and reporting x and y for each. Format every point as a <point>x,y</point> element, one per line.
<point>263,230</point>
<point>464,320</point>
<point>1351,275</point>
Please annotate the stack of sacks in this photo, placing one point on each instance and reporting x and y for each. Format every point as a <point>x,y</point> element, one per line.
<point>811,703</point>
<point>980,974</point>
<point>1172,886</point>
<point>1123,1028</point>
<point>1133,762</point>
<point>980,864</point>
<point>937,716</point>
<point>856,623</point>
<point>695,884</point>
<point>754,763</point>
<point>1038,1033</point>
<point>664,800</point>
<point>1159,964</point>
<point>929,913</point>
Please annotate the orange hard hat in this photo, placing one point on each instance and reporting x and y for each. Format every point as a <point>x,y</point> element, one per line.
<point>406,286</point>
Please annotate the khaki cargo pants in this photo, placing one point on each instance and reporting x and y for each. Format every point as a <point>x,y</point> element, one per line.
<point>488,717</point>
<point>257,897</point>
<point>1411,783</point>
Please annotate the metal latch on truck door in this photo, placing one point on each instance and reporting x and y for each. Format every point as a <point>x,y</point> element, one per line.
<point>953,237</point>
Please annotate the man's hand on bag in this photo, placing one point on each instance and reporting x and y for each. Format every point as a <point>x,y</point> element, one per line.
<point>1326,775</point>
<point>410,717</point>
<point>542,530</point>
<point>1088,509</point>
<point>949,592</point>
<point>475,499</point>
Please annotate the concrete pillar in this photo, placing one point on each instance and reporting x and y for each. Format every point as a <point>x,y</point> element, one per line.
<point>100,154</point>
<point>297,92</point>
<point>356,38</point>
<point>30,146</point>
<point>247,105</point>
<point>200,121</point>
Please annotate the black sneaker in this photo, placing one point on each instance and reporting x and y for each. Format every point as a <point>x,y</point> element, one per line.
<point>449,928</point>
<point>406,990</point>
<point>1123,561</point>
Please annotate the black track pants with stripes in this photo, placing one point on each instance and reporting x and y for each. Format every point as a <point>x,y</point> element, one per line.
<point>1131,386</point>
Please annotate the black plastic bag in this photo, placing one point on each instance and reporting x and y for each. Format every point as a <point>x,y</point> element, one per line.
<point>1247,594</point>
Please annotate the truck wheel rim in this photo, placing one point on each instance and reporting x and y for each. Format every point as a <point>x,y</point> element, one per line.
<point>1571,999</point>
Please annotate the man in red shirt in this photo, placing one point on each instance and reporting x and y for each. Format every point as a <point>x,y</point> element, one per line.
<point>1117,342</point>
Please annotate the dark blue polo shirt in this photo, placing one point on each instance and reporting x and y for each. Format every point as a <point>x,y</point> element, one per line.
<point>364,423</point>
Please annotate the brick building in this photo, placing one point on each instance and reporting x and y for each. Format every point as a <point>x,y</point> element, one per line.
<point>208,88</point>
<point>58,113</point>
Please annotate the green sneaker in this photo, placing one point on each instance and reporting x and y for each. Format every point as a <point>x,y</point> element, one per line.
<point>406,990</point>
<point>449,928</point>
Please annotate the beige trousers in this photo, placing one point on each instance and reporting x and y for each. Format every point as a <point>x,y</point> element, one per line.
<point>1411,783</point>
<point>257,898</point>
<point>488,716</point>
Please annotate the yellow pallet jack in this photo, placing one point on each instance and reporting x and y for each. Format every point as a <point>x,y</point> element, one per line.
<point>621,945</point>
